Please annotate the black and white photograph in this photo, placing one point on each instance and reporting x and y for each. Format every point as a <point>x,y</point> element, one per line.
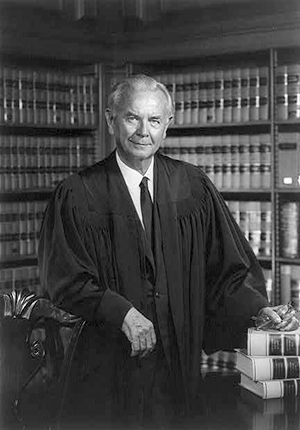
<point>149,214</point>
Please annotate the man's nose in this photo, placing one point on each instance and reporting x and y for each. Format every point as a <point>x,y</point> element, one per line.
<point>142,129</point>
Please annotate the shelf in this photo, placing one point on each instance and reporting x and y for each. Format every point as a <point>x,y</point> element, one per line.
<point>223,124</point>
<point>286,260</point>
<point>248,194</point>
<point>262,259</point>
<point>249,124</point>
<point>289,122</point>
<point>47,129</point>
<point>26,195</point>
<point>287,190</point>
<point>30,260</point>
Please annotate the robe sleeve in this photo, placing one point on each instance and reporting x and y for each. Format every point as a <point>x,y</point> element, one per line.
<point>235,285</point>
<point>69,272</point>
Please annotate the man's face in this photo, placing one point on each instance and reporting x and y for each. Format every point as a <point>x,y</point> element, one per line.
<point>139,127</point>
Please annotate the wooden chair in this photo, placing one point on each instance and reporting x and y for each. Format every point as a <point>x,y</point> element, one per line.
<point>37,346</point>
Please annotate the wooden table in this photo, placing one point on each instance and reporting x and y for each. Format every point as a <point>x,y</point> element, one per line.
<point>231,407</point>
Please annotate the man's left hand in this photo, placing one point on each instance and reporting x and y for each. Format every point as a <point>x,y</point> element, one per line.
<point>280,318</point>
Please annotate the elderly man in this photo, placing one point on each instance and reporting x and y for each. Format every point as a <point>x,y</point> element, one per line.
<point>144,248</point>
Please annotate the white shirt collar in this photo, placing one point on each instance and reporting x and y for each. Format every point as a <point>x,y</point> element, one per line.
<point>133,178</point>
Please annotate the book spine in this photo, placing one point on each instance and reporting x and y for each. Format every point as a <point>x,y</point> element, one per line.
<point>295,286</point>
<point>277,344</point>
<point>275,368</point>
<point>288,160</point>
<point>30,97</point>
<point>263,93</point>
<point>219,96</point>
<point>293,86</point>
<point>255,170</point>
<point>226,162</point>
<point>227,112</point>
<point>281,92</point>
<point>187,98</point>
<point>269,284</point>
<point>254,93</point>
<point>287,388</point>
<point>235,162</point>
<point>285,283</point>
<point>15,97</point>
<point>217,161</point>
<point>289,229</point>
<point>265,161</point>
<point>208,152</point>
<point>244,218</point>
<point>1,96</point>
<point>244,164</point>
<point>195,98</point>
<point>272,389</point>
<point>254,226</point>
<point>179,99</point>
<point>202,97</point>
<point>245,94</point>
<point>210,91</point>
<point>270,368</point>
<point>236,95</point>
<point>266,230</point>
<point>7,95</point>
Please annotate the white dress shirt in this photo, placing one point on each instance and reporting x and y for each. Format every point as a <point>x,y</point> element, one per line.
<point>133,179</point>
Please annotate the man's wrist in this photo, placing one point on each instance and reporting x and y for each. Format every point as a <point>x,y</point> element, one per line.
<point>113,308</point>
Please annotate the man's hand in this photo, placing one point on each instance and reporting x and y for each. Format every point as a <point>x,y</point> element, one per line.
<point>140,333</point>
<point>278,317</point>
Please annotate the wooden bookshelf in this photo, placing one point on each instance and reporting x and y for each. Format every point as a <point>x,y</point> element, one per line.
<point>189,135</point>
<point>49,126</point>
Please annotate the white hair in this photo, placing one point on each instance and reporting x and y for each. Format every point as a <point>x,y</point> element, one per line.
<point>137,83</point>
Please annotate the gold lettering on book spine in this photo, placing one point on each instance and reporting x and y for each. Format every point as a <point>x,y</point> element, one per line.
<point>275,342</point>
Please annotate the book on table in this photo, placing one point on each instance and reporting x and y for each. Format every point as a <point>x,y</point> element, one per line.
<point>273,342</point>
<point>278,405</point>
<point>264,368</point>
<point>272,389</point>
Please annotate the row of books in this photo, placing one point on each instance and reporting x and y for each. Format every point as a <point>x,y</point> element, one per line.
<point>233,95</point>
<point>287,90</point>
<point>288,160</point>
<point>16,279</point>
<point>30,162</point>
<point>255,221</point>
<point>47,98</point>
<point>20,224</point>
<point>236,161</point>
<point>289,232</point>
<point>220,95</point>
<point>290,284</point>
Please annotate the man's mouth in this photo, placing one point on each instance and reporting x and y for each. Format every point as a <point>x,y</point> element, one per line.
<point>140,143</point>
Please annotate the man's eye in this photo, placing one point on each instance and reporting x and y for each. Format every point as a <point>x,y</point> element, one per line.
<point>155,121</point>
<point>131,118</point>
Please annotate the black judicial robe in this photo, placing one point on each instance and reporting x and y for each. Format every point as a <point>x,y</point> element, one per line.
<point>92,262</point>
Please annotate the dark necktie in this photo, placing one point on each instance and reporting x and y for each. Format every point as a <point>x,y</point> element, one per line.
<point>146,206</point>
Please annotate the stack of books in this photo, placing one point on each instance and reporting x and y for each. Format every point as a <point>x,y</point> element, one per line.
<point>270,366</point>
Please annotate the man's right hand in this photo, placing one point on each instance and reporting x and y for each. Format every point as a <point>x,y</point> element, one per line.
<point>140,333</point>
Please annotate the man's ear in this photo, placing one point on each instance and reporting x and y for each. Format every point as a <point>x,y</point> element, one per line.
<point>169,121</point>
<point>109,119</point>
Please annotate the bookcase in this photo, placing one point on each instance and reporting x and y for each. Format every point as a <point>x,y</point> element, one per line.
<point>238,118</point>
<point>287,174</point>
<point>49,127</point>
